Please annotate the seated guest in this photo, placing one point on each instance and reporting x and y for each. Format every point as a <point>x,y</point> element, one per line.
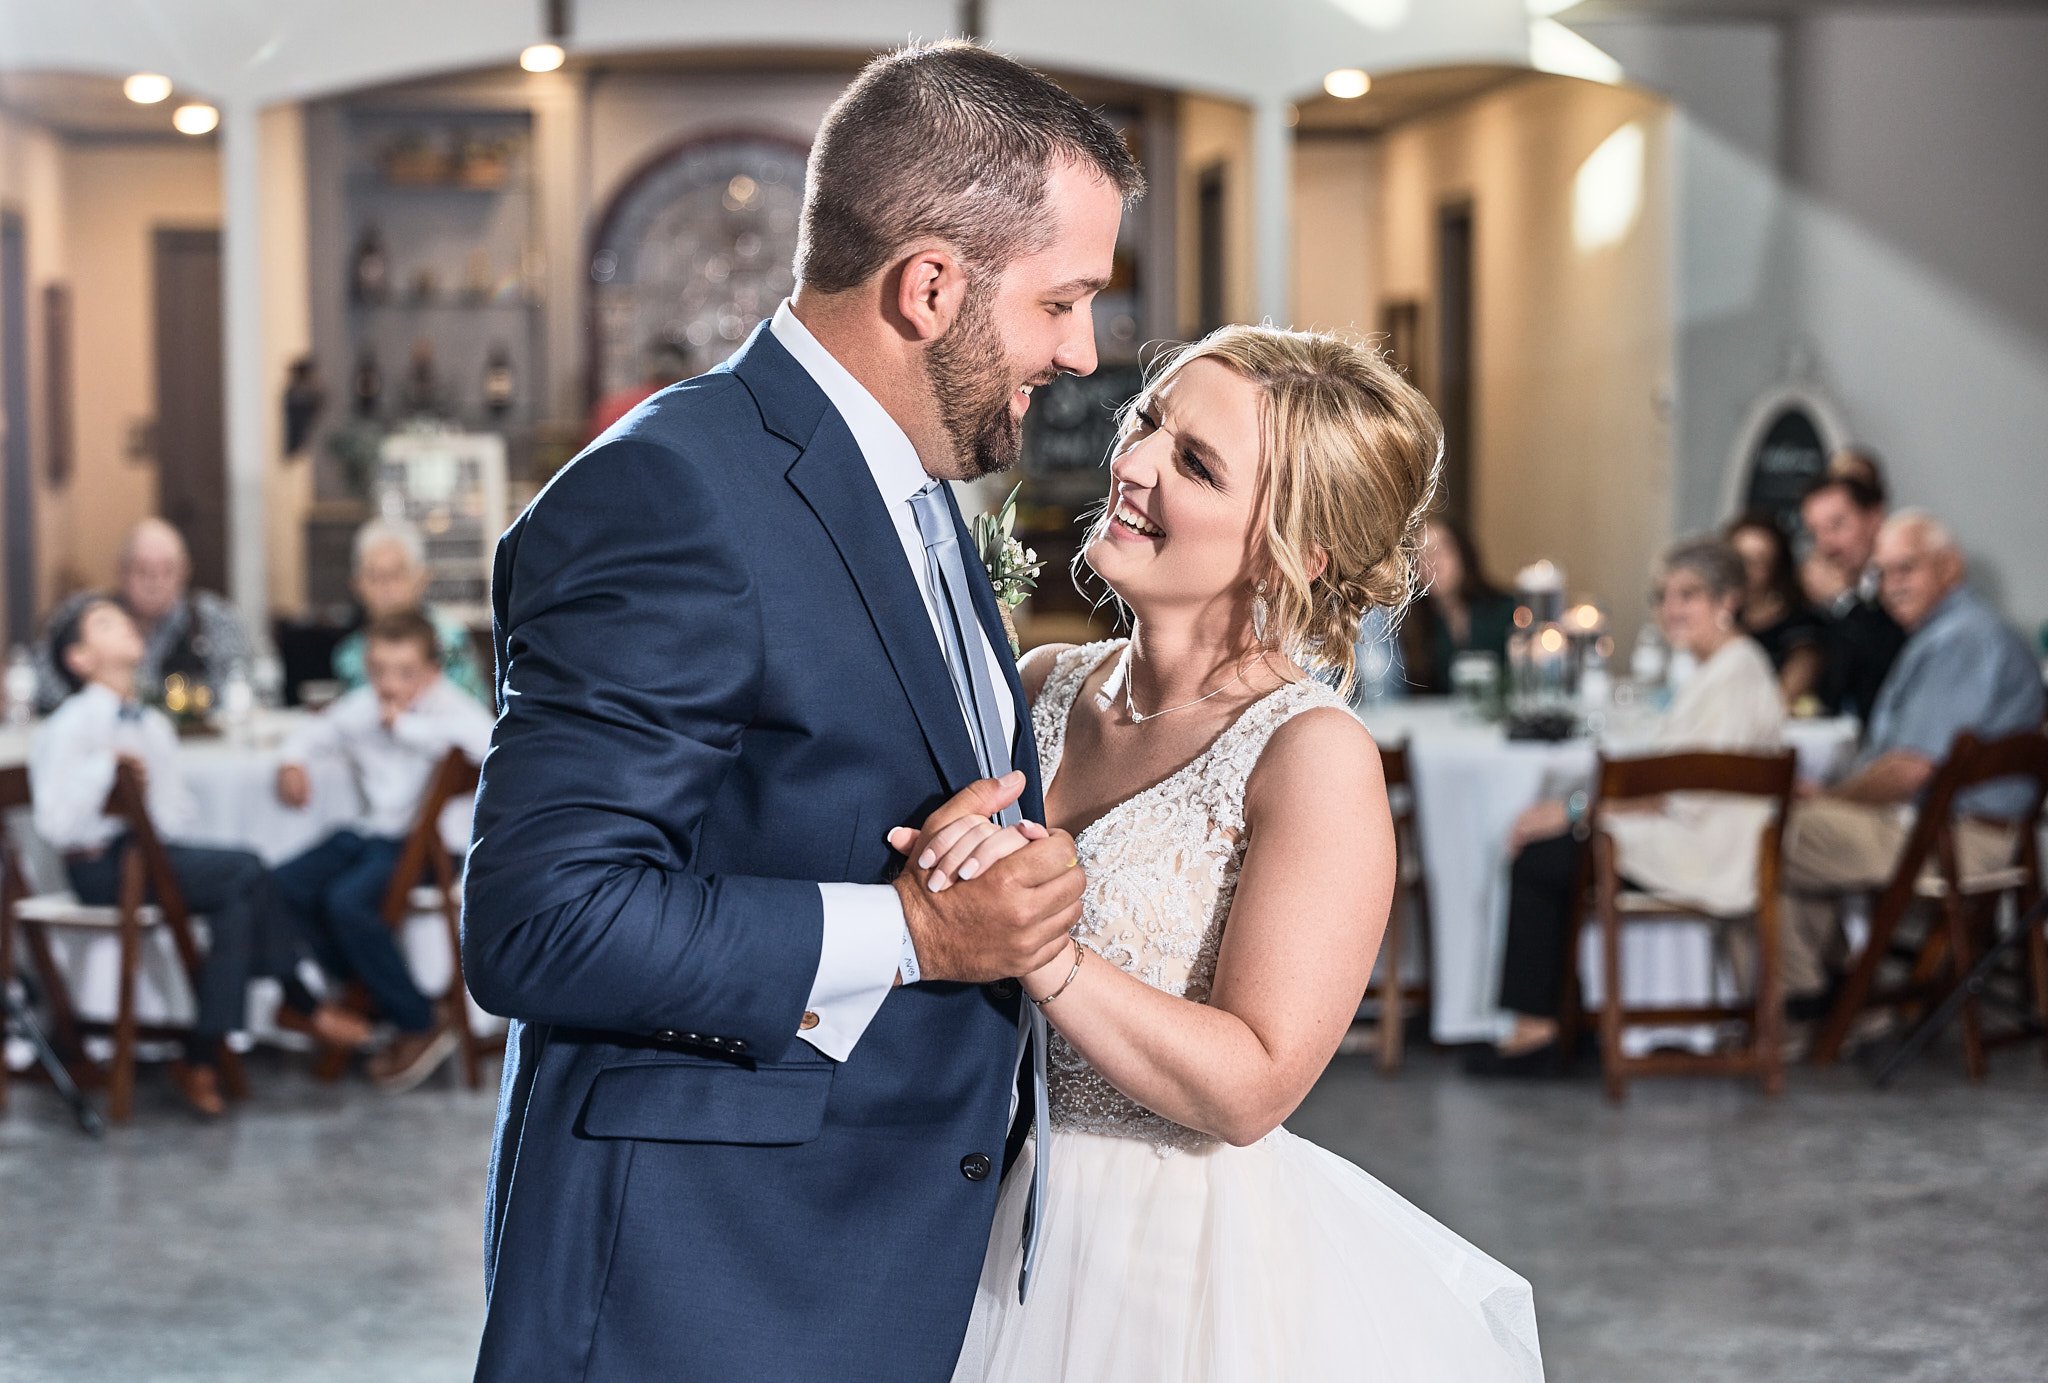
<point>390,577</point>
<point>393,733</point>
<point>1843,515</point>
<point>1460,612</point>
<point>1774,609</point>
<point>71,771</point>
<point>1963,668</point>
<point>1692,849</point>
<point>192,634</point>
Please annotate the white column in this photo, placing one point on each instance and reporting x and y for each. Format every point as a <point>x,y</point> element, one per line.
<point>1272,209</point>
<point>248,393</point>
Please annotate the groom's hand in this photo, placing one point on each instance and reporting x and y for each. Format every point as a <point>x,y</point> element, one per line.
<point>1016,916</point>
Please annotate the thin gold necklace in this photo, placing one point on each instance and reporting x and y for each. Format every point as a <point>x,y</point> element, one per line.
<point>1138,717</point>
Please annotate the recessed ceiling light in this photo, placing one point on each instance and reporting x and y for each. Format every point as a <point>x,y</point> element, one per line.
<point>1347,83</point>
<point>197,118</point>
<point>543,57</point>
<point>146,88</point>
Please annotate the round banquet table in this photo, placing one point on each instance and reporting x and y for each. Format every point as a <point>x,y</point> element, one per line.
<point>233,781</point>
<point>1471,782</point>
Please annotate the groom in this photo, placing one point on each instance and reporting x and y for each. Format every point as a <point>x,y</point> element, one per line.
<point>757,1092</point>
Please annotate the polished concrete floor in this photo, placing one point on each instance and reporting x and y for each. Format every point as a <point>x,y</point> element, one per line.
<point>1698,1234</point>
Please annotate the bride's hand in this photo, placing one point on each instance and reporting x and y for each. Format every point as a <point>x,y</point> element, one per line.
<point>963,849</point>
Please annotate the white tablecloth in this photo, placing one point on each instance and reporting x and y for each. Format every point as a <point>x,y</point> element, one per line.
<point>233,779</point>
<point>1471,782</point>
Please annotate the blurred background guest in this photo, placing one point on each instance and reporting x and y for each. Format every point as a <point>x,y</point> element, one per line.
<point>665,365</point>
<point>1844,516</point>
<point>1774,608</point>
<point>191,634</point>
<point>1962,669</point>
<point>1860,464</point>
<point>1694,850</point>
<point>1461,612</point>
<point>390,578</point>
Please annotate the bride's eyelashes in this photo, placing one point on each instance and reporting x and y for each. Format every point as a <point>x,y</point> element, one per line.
<point>1144,423</point>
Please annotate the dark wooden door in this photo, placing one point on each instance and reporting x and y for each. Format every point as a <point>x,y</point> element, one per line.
<point>17,497</point>
<point>191,437</point>
<point>1454,354</point>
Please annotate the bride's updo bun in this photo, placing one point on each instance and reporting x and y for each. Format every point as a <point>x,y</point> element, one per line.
<point>1351,455</point>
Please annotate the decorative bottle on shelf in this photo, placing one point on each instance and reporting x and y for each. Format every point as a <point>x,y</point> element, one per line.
<point>369,279</point>
<point>422,386</point>
<point>368,384</point>
<point>501,384</point>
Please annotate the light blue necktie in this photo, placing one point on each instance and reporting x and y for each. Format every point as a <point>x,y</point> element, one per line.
<point>947,576</point>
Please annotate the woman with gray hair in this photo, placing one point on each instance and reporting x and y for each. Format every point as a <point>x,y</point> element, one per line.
<point>389,577</point>
<point>1700,851</point>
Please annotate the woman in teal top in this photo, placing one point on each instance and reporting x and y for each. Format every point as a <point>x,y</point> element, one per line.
<point>1462,612</point>
<point>390,576</point>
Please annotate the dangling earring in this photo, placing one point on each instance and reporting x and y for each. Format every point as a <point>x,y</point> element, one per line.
<point>1259,612</point>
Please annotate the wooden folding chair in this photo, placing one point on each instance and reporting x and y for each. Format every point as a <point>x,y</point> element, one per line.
<point>149,898</point>
<point>426,858</point>
<point>1929,871</point>
<point>1765,776</point>
<point>1409,921</point>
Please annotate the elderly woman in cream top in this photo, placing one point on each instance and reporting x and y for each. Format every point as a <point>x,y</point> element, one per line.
<point>1696,849</point>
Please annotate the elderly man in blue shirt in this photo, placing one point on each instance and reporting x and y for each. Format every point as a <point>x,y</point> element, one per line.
<point>1962,669</point>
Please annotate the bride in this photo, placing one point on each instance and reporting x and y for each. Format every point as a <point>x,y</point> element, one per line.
<point>1267,490</point>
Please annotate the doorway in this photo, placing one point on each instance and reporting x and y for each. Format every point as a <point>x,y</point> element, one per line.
<point>1454,355</point>
<point>191,436</point>
<point>18,495</point>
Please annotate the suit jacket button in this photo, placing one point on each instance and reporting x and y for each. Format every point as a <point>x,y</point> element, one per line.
<point>809,1021</point>
<point>1003,989</point>
<point>667,1035</point>
<point>975,1166</point>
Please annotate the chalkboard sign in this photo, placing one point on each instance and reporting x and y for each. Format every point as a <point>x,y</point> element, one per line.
<point>1788,457</point>
<point>1072,421</point>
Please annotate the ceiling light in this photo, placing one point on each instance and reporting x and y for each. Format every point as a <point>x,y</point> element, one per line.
<point>543,57</point>
<point>1347,83</point>
<point>197,118</point>
<point>146,88</point>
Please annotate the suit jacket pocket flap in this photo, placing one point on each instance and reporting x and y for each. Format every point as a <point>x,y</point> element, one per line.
<point>708,1102</point>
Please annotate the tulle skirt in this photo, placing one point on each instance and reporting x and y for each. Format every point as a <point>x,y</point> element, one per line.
<point>1274,1263</point>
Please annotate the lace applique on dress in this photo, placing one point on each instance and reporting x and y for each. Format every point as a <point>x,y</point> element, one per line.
<point>1162,869</point>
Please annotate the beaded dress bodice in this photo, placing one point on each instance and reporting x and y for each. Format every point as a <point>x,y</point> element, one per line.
<point>1162,869</point>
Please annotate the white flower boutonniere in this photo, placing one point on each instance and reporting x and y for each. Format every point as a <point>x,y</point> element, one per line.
<point>1012,567</point>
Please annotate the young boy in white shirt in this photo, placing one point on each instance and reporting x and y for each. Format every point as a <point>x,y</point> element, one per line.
<point>97,649</point>
<point>393,732</point>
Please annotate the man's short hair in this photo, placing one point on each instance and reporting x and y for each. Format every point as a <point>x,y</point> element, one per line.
<point>377,532</point>
<point>950,142</point>
<point>1864,497</point>
<point>67,631</point>
<point>407,626</point>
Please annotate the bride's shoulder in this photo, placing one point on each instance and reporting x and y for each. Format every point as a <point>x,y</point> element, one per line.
<point>1315,753</point>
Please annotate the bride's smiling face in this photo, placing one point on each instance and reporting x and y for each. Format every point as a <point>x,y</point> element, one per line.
<point>1183,514</point>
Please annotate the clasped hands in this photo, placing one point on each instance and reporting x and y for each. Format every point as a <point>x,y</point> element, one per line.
<point>986,902</point>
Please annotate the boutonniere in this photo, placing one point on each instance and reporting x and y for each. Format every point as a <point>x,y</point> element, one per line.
<point>1012,567</point>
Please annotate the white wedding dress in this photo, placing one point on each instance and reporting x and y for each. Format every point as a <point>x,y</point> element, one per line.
<point>1168,1256</point>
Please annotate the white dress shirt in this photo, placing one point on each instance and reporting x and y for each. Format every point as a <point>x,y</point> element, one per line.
<point>71,770</point>
<point>865,934</point>
<point>392,767</point>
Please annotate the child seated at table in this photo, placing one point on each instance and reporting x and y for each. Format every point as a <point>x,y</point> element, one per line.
<point>393,733</point>
<point>72,763</point>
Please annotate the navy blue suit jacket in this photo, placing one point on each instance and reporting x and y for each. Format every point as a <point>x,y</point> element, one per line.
<point>721,687</point>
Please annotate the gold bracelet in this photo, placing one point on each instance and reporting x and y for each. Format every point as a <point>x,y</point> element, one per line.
<point>1079,951</point>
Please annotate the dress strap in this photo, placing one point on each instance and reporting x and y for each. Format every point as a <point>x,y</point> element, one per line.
<point>1070,672</point>
<point>1237,751</point>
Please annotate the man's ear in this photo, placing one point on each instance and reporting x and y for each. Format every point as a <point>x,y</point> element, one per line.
<point>931,285</point>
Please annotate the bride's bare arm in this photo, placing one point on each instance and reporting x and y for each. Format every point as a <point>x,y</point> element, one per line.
<point>1298,949</point>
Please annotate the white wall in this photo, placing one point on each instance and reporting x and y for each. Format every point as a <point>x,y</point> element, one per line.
<point>1572,353</point>
<point>1336,214</point>
<point>1917,150</point>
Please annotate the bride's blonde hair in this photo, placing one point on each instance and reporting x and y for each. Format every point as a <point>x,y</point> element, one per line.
<point>1351,453</point>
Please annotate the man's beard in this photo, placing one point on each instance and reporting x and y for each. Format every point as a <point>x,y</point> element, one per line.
<point>970,380</point>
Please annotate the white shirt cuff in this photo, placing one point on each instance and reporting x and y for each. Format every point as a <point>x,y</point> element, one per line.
<point>863,947</point>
